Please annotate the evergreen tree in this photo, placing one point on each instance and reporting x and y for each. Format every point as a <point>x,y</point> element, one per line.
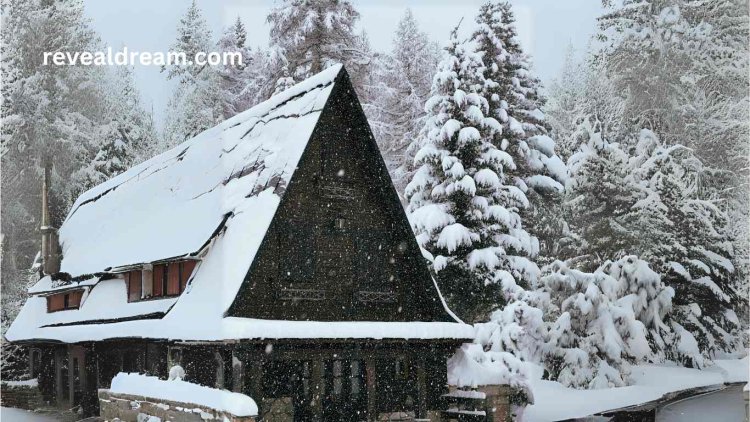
<point>516,101</point>
<point>198,102</point>
<point>397,111</point>
<point>312,35</point>
<point>599,199</point>
<point>235,79</point>
<point>462,206</point>
<point>681,66</point>
<point>193,36</point>
<point>48,113</point>
<point>686,238</point>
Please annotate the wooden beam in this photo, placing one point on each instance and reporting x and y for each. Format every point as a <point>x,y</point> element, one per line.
<point>317,389</point>
<point>419,362</point>
<point>371,381</point>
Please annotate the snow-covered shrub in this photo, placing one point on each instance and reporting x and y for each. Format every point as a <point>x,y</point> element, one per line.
<point>176,373</point>
<point>473,366</point>
<point>518,329</point>
<point>604,321</point>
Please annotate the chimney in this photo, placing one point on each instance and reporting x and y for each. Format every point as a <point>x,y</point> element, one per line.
<point>50,255</point>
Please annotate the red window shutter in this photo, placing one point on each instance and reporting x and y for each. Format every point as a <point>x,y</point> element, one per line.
<point>173,279</point>
<point>158,280</point>
<point>74,299</point>
<point>55,302</point>
<point>185,272</point>
<point>134,285</point>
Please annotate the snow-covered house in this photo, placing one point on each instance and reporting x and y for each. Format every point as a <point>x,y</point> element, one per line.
<point>269,255</point>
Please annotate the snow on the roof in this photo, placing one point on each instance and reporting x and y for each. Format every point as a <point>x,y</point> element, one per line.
<point>108,300</point>
<point>171,205</point>
<point>47,284</point>
<point>236,404</point>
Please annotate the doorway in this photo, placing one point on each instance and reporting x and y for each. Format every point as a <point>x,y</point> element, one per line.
<point>345,397</point>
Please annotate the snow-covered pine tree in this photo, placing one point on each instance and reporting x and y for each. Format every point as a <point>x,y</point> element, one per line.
<point>193,36</point>
<point>687,238</point>
<point>599,197</point>
<point>234,78</point>
<point>462,207</point>
<point>396,113</point>
<point>198,102</point>
<point>134,123</point>
<point>515,98</point>
<point>47,111</point>
<point>313,35</point>
<point>681,66</point>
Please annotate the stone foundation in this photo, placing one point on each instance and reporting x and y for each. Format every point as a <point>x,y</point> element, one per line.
<point>28,398</point>
<point>489,403</point>
<point>127,407</point>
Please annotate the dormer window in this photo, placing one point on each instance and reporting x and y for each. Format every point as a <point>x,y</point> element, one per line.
<point>64,301</point>
<point>163,280</point>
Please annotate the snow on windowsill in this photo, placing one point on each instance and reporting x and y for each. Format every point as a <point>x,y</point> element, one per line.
<point>185,392</point>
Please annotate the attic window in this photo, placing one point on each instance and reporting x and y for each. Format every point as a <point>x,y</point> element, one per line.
<point>64,301</point>
<point>165,280</point>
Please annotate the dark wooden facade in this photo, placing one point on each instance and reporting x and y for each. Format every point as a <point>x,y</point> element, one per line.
<point>340,247</point>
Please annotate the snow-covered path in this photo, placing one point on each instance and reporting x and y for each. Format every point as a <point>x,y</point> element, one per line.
<point>724,405</point>
<point>9,414</point>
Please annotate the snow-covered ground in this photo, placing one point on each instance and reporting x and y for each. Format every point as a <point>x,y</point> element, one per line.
<point>9,414</point>
<point>554,402</point>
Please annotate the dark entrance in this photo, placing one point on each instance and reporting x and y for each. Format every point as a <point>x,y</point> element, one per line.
<point>345,397</point>
<point>284,380</point>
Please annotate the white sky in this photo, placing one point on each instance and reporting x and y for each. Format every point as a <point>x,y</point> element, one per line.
<point>546,28</point>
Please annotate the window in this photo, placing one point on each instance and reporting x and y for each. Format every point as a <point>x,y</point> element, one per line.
<point>135,285</point>
<point>165,280</point>
<point>160,279</point>
<point>401,369</point>
<point>64,301</point>
<point>339,223</point>
<point>173,279</point>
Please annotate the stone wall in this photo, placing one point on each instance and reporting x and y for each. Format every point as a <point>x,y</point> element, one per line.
<point>127,408</point>
<point>28,398</point>
<point>489,403</point>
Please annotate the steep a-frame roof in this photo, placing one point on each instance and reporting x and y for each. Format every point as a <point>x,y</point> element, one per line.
<point>214,195</point>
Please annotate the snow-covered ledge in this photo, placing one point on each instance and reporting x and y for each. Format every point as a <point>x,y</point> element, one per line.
<point>485,383</point>
<point>136,398</point>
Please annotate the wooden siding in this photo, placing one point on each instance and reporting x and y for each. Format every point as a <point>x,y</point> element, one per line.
<point>340,247</point>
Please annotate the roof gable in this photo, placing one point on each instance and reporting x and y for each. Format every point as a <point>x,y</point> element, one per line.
<point>343,270</point>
